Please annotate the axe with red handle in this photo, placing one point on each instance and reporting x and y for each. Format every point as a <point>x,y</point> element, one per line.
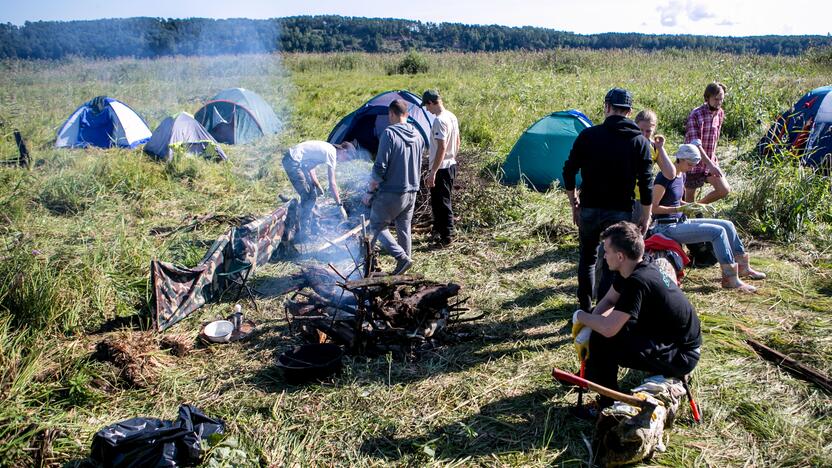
<point>600,389</point>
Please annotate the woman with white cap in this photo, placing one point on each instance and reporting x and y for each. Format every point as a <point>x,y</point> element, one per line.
<point>669,212</point>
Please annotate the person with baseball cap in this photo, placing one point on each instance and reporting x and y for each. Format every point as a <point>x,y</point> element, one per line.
<point>671,215</point>
<point>612,158</point>
<point>444,146</point>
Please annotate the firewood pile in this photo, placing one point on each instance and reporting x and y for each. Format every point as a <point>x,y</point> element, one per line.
<point>375,314</point>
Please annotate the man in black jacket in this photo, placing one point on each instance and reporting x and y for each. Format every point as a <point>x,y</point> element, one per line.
<point>612,158</point>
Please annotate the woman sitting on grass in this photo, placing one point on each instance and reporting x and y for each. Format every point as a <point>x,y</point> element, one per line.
<point>669,213</point>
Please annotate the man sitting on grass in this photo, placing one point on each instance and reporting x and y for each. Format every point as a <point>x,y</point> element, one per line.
<point>644,321</point>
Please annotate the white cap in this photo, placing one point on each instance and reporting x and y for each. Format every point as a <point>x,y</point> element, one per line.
<point>689,152</point>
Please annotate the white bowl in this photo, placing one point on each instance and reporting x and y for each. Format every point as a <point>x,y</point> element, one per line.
<point>218,331</point>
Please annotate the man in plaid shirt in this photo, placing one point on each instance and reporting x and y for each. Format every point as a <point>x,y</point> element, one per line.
<point>702,129</point>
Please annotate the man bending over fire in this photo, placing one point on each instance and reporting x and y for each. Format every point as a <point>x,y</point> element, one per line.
<point>644,321</point>
<point>300,162</point>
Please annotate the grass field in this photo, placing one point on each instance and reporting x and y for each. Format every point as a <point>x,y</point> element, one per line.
<point>76,245</point>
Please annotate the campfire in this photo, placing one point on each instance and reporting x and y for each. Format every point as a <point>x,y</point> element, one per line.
<point>368,312</point>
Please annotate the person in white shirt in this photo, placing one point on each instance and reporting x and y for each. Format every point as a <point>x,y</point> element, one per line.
<point>444,148</point>
<point>300,162</point>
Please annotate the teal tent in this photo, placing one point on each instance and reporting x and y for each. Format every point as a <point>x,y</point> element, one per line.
<point>237,115</point>
<point>538,156</point>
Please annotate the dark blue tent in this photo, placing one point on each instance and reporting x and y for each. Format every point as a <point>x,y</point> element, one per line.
<point>805,129</point>
<point>366,123</point>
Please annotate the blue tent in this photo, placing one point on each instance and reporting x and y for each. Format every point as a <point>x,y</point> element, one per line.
<point>538,156</point>
<point>366,123</point>
<point>805,129</point>
<point>103,122</point>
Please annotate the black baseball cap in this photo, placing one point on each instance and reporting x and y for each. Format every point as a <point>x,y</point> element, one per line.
<point>619,97</point>
<point>430,95</point>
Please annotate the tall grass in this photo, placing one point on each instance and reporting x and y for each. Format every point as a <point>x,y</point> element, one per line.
<point>784,200</point>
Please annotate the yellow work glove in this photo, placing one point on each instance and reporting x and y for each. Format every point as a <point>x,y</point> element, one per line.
<point>576,325</point>
<point>582,343</point>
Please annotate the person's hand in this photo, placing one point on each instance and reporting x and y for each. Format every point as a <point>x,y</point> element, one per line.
<point>658,142</point>
<point>320,190</point>
<point>714,170</point>
<point>694,209</point>
<point>644,224</point>
<point>373,185</point>
<point>576,325</point>
<point>582,343</point>
<point>430,179</point>
<point>576,213</point>
<point>367,199</point>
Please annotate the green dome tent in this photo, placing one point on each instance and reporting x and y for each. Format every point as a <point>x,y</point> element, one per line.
<point>538,156</point>
<point>237,115</point>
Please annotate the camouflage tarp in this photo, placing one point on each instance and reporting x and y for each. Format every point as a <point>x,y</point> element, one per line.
<point>178,291</point>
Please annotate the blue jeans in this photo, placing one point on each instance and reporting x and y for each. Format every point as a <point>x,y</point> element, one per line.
<point>593,223</point>
<point>720,233</point>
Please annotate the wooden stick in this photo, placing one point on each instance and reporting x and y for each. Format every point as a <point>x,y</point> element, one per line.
<point>333,242</point>
<point>793,366</point>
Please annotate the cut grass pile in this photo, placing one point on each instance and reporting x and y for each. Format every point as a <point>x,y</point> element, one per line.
<point>78,231</point>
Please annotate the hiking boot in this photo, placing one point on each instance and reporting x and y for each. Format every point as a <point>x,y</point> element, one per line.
<point>745,270</point>
<point>402,266</point>
<point>731,279</point>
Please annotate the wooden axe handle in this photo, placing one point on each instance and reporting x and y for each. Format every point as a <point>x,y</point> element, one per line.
<point>599,389</point>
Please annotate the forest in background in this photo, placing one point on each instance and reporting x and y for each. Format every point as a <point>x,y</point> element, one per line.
<point>155,37</point>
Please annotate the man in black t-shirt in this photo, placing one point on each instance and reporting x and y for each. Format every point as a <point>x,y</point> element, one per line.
<point>644,321</point>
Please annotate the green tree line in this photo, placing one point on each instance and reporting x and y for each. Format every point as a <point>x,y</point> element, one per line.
<point>152,37</point>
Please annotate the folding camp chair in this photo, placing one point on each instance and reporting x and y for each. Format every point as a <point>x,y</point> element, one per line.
<point>238,274</point>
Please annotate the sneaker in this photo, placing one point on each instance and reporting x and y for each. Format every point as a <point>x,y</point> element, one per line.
<point>402,266</point>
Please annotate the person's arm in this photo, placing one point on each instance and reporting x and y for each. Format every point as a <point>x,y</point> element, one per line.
<point>604,319</point>
<point>658,193</point>
<point>313,176</point>
<point>607,302</point>
<point>382,161</point>
<point>570,172</point>
<point>666,166</point>
<point>707,161</point>
<point>430,180</point>
<point>644,177</point>
<point>333,186</point>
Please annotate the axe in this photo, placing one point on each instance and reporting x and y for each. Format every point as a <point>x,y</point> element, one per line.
<point>601,390</point>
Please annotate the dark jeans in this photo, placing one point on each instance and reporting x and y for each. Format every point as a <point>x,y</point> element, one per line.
<point>302,182</point>
<point>440,202</point>
<point>593,223</point>
<point>635,351</point>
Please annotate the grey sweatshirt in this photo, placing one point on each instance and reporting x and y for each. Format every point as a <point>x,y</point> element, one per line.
<point>399,159</point>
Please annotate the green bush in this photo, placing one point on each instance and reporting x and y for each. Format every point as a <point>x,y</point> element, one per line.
<point>412,63</point>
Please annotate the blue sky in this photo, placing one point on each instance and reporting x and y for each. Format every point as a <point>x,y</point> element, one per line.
<point>713,17</point>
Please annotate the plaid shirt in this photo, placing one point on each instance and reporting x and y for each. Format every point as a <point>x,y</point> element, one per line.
<point>704,125</point>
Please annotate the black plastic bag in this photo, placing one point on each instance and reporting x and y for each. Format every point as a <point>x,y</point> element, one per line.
<point>146,442</point>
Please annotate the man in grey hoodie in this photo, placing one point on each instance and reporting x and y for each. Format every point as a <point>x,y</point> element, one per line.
<point>394,184</point>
